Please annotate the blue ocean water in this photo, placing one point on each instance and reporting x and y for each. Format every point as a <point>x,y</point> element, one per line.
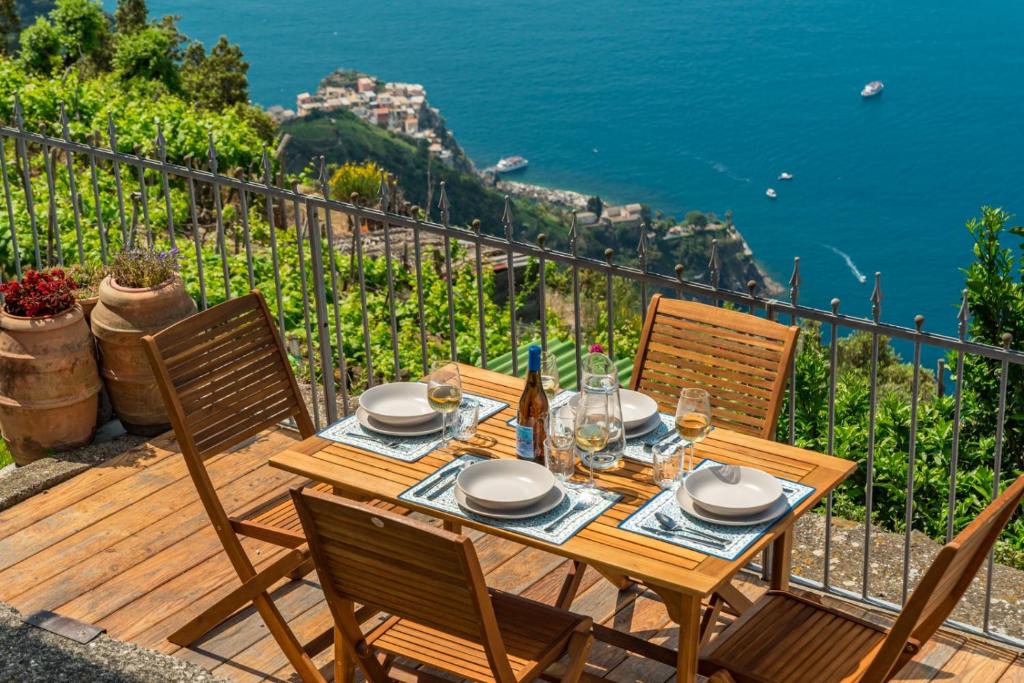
<point>700,104</point>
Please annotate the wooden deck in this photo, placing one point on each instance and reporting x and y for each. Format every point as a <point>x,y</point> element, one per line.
<point>127,546</point>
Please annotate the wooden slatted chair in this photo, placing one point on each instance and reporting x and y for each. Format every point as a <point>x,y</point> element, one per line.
<point>224,378</point>
<point>741,359</point>
<point>784,637</point>
<point>430,581</point>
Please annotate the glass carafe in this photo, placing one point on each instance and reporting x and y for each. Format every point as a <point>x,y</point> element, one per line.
<point>601,376</point>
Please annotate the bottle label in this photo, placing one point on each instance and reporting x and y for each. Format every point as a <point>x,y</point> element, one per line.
<point>524,442</point>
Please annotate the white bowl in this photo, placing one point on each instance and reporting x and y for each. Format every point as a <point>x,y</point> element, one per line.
<point>397,403</point>
<point>637,408</point>
<point>505,484</point>
<point>732,490</point>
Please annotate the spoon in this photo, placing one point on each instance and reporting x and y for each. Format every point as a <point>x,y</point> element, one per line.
<point>670,524</point>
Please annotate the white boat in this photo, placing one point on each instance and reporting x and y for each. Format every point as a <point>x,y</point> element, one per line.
<point>771,193</point>
<point>873,88</point>
<point>509,164</point>
<point>785,176</point>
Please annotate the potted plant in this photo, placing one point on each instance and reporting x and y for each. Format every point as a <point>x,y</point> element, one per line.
<point>87,277</point>
<point>48,378</point>
<point>142,294</point>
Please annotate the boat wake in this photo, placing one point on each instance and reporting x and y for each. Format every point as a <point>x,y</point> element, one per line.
<point>861,278</point>
<point>718,167</point>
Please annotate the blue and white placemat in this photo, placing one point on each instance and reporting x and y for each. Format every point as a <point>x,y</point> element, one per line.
<point>737,538</point>
<point>555,526</point>
<point>405,448</point>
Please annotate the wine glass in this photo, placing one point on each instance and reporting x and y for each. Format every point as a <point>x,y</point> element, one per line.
<point>592,428</point>
<point>693,419</point>
<point>444,392</point>
<point>549,375</point>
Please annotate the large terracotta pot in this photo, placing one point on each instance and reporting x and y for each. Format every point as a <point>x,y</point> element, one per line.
<point>119,321</point>
<point>48,384</point>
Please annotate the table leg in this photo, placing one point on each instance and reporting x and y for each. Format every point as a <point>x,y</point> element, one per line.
<point>689,638</point>
<point>782,551</point>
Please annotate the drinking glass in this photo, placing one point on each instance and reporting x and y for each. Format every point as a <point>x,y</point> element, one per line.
<point>560,459</point>
<point>466,419</point>
<point>444,392</point>
<point>549,375</point>
<point>665,464</point>
<point>592,427</point>
<point>562,426</point>
<point>693,419</point>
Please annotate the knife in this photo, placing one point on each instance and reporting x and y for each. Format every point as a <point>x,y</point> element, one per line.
<point>443,478</point>
<point>690,537</point>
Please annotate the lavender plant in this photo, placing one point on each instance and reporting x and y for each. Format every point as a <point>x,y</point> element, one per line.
<point>141,268</point>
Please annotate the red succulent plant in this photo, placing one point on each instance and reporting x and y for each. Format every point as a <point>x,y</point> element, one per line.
<point>39,293</point>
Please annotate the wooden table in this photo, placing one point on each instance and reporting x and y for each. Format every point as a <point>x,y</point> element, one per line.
<point>682,577</point>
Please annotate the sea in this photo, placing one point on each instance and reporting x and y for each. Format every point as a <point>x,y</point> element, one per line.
<point>701,104</point>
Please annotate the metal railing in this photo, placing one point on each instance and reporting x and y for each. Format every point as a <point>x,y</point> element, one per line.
<point>143,192</point>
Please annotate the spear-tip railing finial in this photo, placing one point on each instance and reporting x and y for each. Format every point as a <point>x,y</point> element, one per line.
<point>161,142</point>
<point>19,114</point>
<point>211,152</point>
<point>794,281</point>
<point>506,218</point>
<point>383,193</point>
<point>443,206</point>
<point>573,232</point>
<point>65,128</point>
<point>963,315</point>
<point>713,264</point>
<point>876,297</point>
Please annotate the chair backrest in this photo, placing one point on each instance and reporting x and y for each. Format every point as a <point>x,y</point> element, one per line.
<point>945,582</point>
<point>225,377</point>
<point>400,566</point>
<point>741,359</point>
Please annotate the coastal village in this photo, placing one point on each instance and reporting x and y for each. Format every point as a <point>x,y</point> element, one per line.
<point>403,109</point>
<point>399,107</point>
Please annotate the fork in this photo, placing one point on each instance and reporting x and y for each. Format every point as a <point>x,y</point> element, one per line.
<point>389,443</point>
<point>579,505</point>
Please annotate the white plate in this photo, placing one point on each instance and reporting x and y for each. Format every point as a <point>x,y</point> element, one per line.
<point>733,490</point>
<point>686,504</point>
<point>367,421</point>
<point>546,504</point>
<point>645,428</point>
<point>397,403</point>
<point>505,484</point>
<point>637,408</point>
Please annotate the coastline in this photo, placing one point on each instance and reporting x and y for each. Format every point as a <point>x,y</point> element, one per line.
<point>577,201</point>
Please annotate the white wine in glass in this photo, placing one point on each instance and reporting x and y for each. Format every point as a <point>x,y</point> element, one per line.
<point>592,428</point>
<point>693,419</point>
<point>549,375</point>
<point>444,392</point>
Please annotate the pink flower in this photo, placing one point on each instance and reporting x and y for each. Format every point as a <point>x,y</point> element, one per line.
<point>596,348</point>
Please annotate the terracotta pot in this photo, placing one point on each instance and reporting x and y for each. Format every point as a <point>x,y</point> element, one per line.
<point>48,384</point>
<point>87,306</point>
<point>119,321</point>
